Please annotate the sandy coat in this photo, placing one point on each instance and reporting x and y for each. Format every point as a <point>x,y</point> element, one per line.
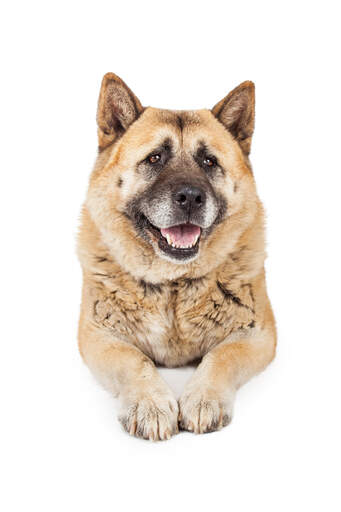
<point>139,308</point>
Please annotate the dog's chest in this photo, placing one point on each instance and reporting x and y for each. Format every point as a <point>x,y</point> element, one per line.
<point>177,323</point>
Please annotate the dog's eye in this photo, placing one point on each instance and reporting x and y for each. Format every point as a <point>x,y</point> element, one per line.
<point>154,159</point>
<point>210,161</point>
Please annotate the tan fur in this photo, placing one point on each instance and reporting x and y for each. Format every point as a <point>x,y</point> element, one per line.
<point>139,309</point>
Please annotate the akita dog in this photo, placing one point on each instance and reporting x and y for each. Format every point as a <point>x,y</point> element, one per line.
<point>172,250</point>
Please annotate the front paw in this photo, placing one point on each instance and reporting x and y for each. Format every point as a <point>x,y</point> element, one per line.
<point>151,415</point>
<point>204,410</point>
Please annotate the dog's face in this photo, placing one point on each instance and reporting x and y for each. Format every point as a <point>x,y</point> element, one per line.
<point>171,185</point>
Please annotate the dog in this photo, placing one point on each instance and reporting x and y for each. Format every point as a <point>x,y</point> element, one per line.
<point>171,245</point>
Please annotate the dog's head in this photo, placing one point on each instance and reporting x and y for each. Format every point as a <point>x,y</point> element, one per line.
<point>172,185</point>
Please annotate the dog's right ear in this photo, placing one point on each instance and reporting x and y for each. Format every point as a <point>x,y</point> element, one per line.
<point>118,108</point>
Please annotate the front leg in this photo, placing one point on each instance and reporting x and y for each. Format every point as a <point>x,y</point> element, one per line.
<point>207,401</point>
<point>148,407</point>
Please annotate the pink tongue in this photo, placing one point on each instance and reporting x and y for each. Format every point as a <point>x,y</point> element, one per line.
<point>182,235</point>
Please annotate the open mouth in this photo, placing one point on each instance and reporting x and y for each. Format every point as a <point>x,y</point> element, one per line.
<point>180,241</point>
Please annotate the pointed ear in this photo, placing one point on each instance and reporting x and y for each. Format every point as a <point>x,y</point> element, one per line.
<point>118,108</point>
<point>237,113</point>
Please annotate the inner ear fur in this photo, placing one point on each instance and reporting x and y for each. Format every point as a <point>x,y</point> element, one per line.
<point>237,113</point>
<point>118,108</point>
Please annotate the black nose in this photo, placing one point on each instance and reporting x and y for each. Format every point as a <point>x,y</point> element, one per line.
<point>189,197</point>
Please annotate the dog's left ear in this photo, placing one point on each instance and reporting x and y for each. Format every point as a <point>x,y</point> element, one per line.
<point>237,113</point>
<point>118,108</point>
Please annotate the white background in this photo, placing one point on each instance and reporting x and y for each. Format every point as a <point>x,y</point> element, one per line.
<point>63,448</point>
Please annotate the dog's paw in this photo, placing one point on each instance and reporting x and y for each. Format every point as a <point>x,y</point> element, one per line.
<point>151,416</point>
<point>204,411</point>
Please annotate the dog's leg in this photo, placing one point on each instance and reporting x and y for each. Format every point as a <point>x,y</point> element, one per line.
<point>148,407</point>
<point>207,401</point>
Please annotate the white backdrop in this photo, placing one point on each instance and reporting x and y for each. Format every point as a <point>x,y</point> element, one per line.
<point>63,448</point>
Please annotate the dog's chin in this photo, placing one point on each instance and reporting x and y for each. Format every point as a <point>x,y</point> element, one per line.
<point>179,243</point>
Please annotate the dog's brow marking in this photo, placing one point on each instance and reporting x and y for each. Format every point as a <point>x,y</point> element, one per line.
<point>180,124</point>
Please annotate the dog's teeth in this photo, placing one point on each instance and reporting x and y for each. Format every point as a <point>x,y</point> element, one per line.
<point>176,245</point>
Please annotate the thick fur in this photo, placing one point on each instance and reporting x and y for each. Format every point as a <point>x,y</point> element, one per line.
<point>140,307</point>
